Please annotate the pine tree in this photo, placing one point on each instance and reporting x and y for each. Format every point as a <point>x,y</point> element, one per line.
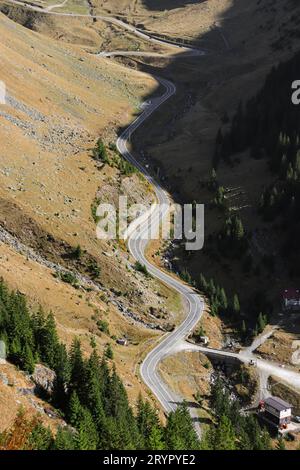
<point>86,437</point>
<point>261,322</point>
<point>202,283</point>
<point>260,439</point>
<point>243,328</point>
<point>80,417</point>
<point>156,439</point>
<point>213,180</point>
<point>77,379</point>
<point>27,359</point>
<point>211,288</point>
<point>117,407</point>
<point>238,229</point>
<point>179,432</point>
<point>223,299</point>
<point>94,397</point>
<point>109,352</point>
<point>236,305</point>
<point>75,411</point>
<point>224,436</point>
<point>63,375</point>
<point>46,337</point>
<point>147,421</point>
<point>40,438</point>
<point>65,440</point>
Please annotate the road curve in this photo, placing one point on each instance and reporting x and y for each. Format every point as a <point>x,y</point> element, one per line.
<point>183,53</point>
<point>264,367</point>
<point>173,342</point>
<point>137,243</point>
<point>109,19</point>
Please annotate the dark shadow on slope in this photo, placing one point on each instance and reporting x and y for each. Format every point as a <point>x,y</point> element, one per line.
<point>242,50</point>
<point>190,404</point>
<point>195,406</point>
<point>162,5</point>
<point>196,79</point>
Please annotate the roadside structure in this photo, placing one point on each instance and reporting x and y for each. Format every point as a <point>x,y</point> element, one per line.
<point>291,299</point>
<point>276,412</point>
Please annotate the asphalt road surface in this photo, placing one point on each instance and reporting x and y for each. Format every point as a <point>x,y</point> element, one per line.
<point>265,368</point>
<point>137,242</point>
<point>109,19</point>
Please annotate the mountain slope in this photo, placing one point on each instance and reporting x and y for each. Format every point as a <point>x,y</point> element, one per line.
<point>60,100</point>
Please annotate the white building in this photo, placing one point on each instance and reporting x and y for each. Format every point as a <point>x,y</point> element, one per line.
<point>277,411</point>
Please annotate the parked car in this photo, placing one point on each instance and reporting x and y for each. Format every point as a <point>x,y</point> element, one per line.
<point>252,363</point>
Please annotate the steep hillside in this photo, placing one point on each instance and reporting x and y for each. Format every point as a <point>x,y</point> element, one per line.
<point>59,101</point>
<point>88,393</point>
<point>65,105</point>
<point>86,26</point>
<point>253,37</point>
<point>17,392</point>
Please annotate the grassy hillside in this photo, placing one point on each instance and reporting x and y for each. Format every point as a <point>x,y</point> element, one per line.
<point>60,100</point>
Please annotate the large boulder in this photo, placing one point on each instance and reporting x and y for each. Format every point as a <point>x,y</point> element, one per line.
<point>44,379</point>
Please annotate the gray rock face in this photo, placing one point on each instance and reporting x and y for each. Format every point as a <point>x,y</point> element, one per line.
<point>44,379</point>
<point>4,378</point>
<point>25,391</point>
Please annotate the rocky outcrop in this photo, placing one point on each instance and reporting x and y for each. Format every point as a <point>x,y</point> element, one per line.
<point>44,379</point>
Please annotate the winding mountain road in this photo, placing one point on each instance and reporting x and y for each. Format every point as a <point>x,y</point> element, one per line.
<point>137,243</point>
<point>178,55</point>
<point>175,341</point>
<point>264,367</point>
<point>190,50</point>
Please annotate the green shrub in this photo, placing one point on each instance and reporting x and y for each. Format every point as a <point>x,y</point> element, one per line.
<point>109,352</point>
<point>68,277</point>
<point>141,268</point>
<point>100,152</point>
<point>77,253</point>
<point>94,269</point>
<point>103,326</point>
<point>94,208</point>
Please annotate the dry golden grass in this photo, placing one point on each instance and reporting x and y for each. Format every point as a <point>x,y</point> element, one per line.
<point>75,311</point>
<point>213,328</point>
<point>287,393</point>
<point>61,100</point>
<point>279,346</point>
<point>187,373</point>
<point>48,171</point>
<point>11,399</point>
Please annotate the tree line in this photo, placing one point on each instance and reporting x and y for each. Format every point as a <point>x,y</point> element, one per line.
<point>232,429</point>
<point>88,392</point>
<point>222,305</point>
<point>113,158</point>
<point>268,125</point>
